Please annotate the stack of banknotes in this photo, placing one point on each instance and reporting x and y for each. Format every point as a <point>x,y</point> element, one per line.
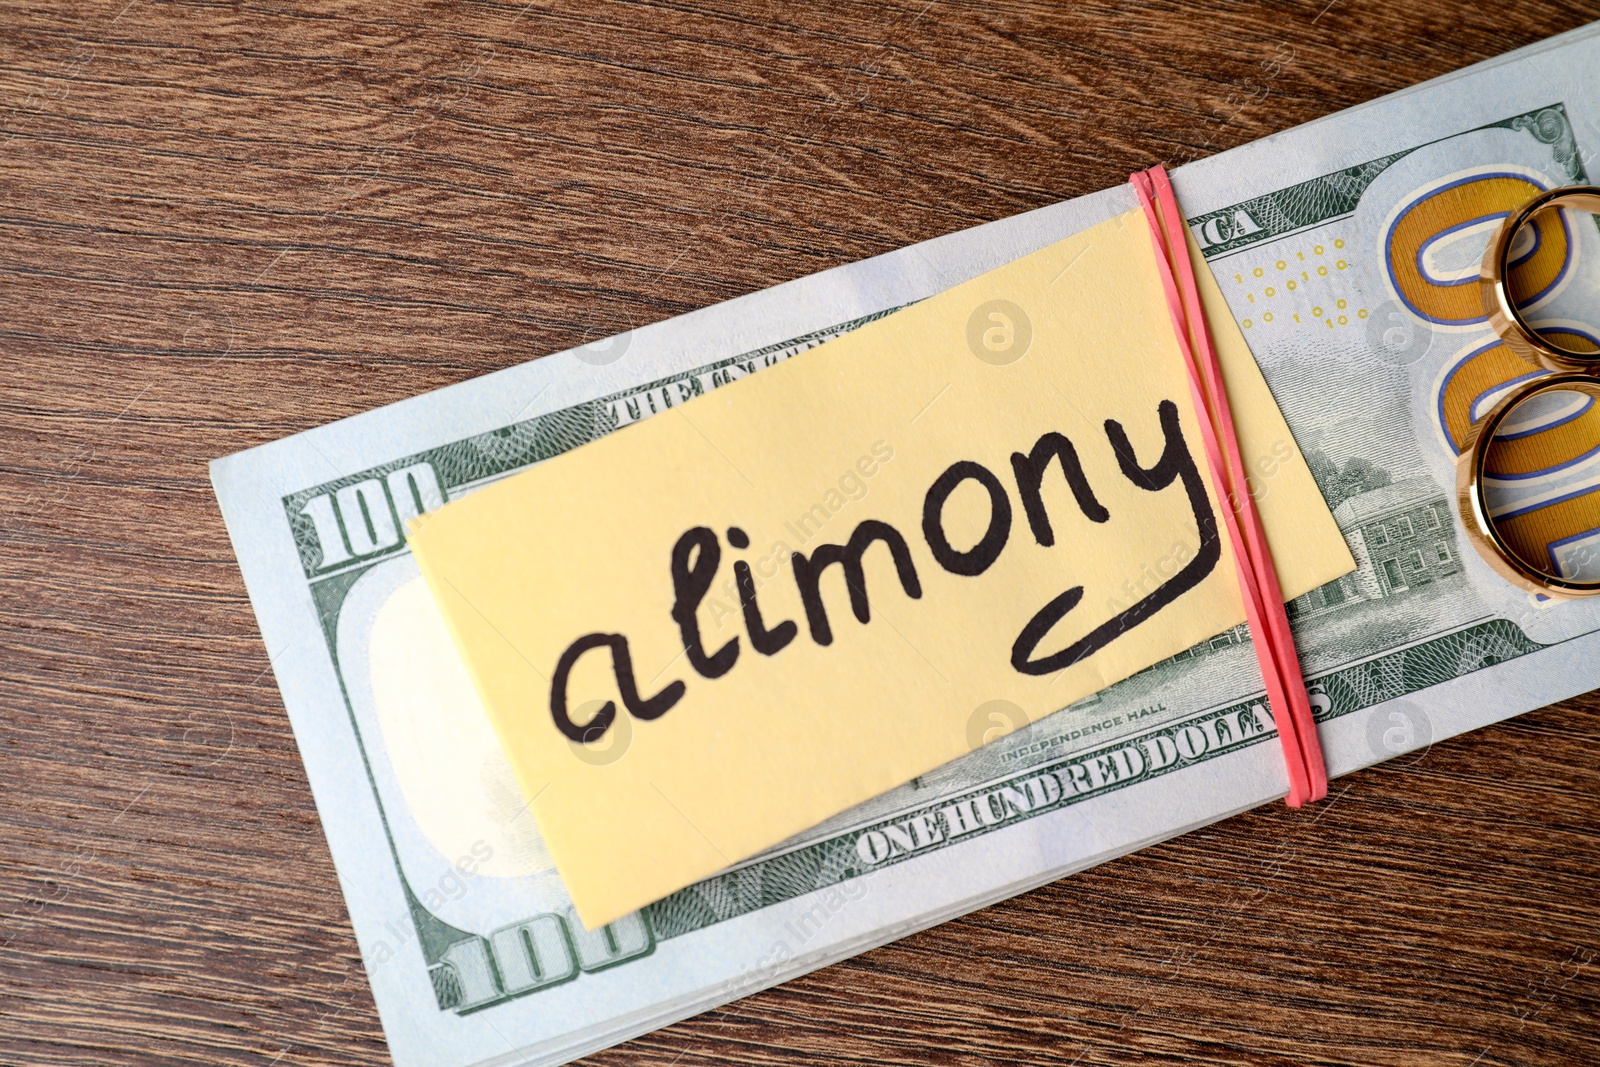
<point>1329,241</point>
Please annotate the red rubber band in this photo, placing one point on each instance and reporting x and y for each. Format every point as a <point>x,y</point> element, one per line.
<point>1258,577</point>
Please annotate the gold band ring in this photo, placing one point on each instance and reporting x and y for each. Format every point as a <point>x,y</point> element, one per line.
<point>1504,315</point>
<point>1474,508</point>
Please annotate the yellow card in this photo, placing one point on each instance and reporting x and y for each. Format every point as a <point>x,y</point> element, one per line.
<point>713,629</point>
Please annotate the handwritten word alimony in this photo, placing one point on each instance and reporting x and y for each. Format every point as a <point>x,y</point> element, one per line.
<point>697,555</point>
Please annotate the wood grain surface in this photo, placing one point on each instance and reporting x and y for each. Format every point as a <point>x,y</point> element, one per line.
<point>221,223</point>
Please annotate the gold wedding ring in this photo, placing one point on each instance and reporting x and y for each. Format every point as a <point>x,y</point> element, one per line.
<point>1575,372</point>
<point>1504,315</point>
<point>1474,507</point>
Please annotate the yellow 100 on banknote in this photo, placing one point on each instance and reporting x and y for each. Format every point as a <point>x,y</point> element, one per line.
<point>1380,266</point>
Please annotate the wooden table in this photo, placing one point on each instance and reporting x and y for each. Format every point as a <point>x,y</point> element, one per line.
<point>221,224</point>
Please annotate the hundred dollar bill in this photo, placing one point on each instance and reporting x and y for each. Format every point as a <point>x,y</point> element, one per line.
<point>1343,247</point>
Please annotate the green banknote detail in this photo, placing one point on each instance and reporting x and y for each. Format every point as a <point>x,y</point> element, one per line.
<point>1061,783</point>
<point>1332,196</point>
<point>359,519</point>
